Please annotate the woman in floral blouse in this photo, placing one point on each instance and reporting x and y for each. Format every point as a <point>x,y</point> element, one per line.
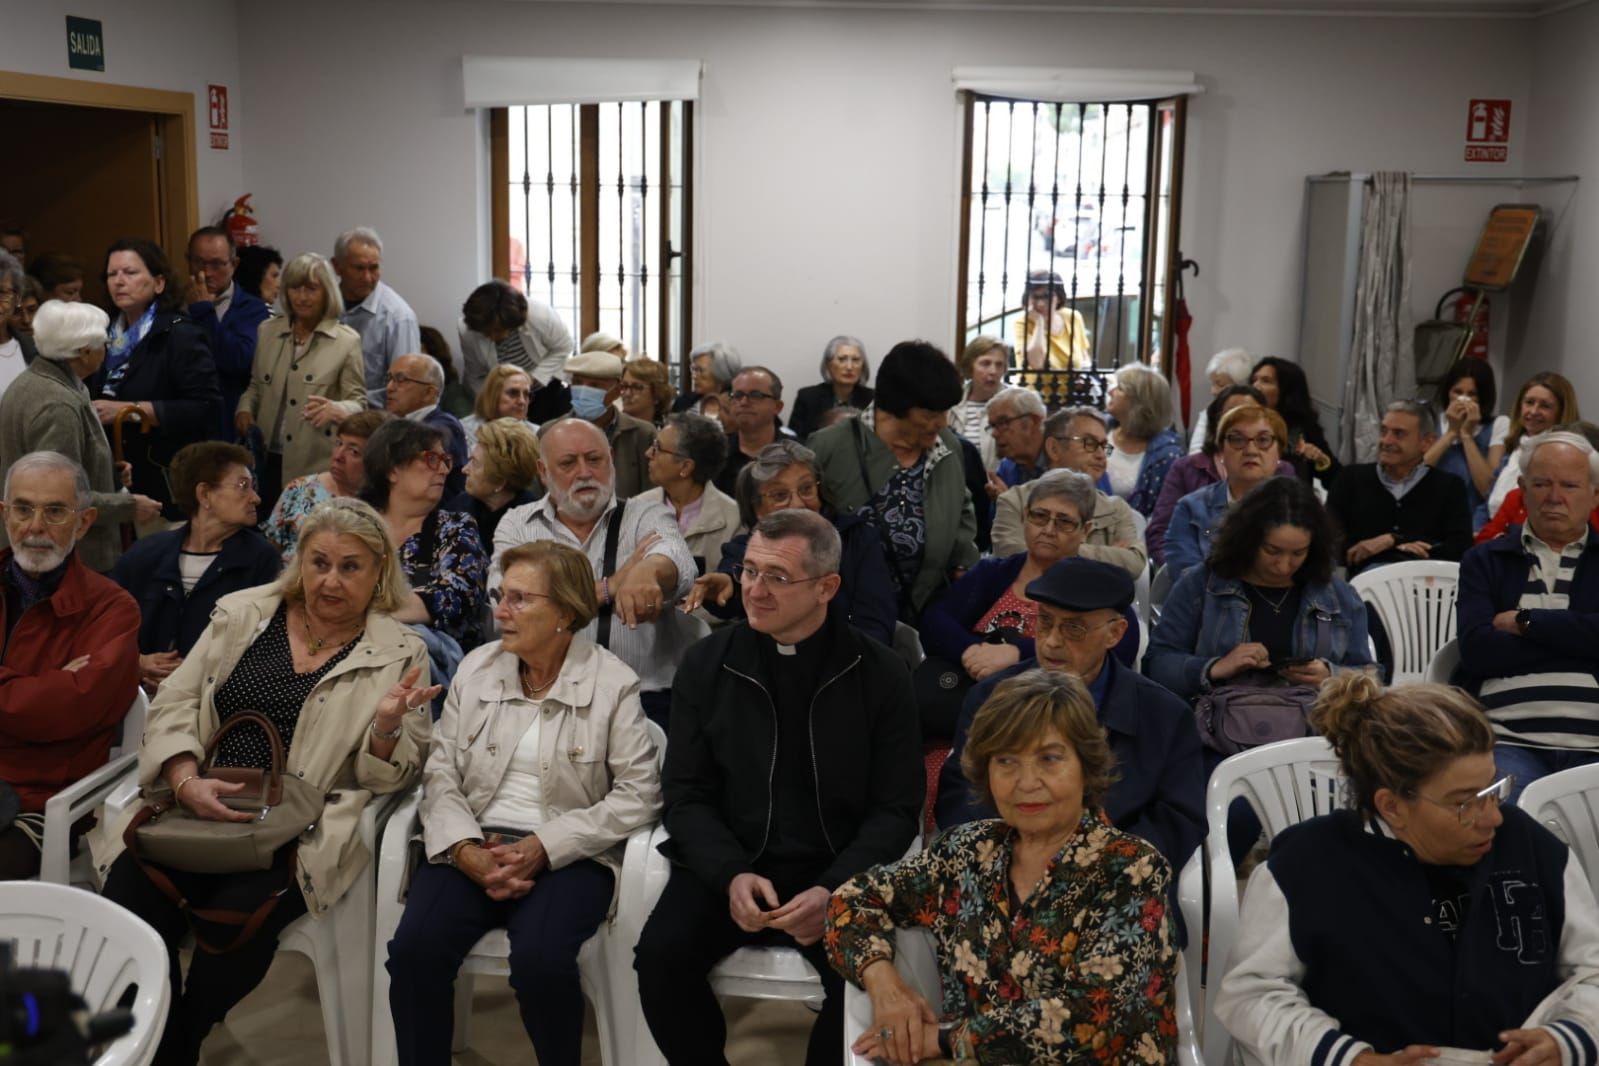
<point>1053,940</point>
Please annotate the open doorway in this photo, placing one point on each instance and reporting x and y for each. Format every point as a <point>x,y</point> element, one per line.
<point>101,162</point>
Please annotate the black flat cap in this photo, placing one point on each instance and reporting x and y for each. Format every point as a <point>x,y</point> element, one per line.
<point>1078,584</point>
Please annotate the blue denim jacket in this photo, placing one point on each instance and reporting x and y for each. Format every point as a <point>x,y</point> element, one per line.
<point>1194,522</point>
<point>1206,616</point>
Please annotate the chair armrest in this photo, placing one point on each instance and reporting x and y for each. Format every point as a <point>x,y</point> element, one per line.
<point>1191,904</point>
<point>63,810</point>
<point>393,853</point>
<point>657,868</point>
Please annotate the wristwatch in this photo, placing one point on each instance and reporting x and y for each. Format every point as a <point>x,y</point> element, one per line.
<point>1523,620</point>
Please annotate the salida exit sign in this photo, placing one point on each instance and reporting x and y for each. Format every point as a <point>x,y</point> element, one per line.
<point>85,44</point>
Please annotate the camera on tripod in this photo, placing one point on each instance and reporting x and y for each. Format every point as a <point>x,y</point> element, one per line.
<point>43,1022</point>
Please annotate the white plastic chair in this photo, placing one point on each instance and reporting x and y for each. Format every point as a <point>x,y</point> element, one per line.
<point>1568,803</point>
<point>605,961</point>
<point>1159,588</point>
<point>1416,602</point>
<point>63,810</point>
<point>339,945</point>
<point>1141,600</point>
<point>916,958</point>
<point>102,946</point>
<point>1444,663</point>
<point>1286,783</point>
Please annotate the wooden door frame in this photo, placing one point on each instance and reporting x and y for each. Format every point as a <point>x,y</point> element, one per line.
<point>174,115</point>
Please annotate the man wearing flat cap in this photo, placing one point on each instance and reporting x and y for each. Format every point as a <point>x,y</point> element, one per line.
<point>1159,794</point>
<point>596,384</point>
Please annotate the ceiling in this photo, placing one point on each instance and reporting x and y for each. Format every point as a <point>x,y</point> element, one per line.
<point>1358,8</point>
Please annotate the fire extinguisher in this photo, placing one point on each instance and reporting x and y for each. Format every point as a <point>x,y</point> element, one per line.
<point>240,220</point>
<point>1461,311</point>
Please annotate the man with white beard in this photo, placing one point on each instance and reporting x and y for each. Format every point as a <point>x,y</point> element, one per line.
<point>642,567</point>
<point>69,649</point>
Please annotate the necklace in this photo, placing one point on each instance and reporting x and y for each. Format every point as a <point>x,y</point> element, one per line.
<point>1276,608</point>
<point>529,688</point>
<point>318,643</point>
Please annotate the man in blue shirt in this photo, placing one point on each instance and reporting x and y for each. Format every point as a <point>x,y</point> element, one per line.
<point>231,315</point>
<point>1160,792</point>
<point>386,323</point>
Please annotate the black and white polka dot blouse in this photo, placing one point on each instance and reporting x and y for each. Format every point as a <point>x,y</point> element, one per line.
<point>264,681</point>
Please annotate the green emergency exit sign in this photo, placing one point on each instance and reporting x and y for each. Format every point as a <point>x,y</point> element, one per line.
<point>85,44</point>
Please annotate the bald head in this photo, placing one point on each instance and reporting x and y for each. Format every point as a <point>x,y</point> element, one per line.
<point>414,382</point>
<point>576,468</point>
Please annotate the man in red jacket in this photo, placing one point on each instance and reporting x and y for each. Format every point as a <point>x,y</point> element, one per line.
<point>69,649</point>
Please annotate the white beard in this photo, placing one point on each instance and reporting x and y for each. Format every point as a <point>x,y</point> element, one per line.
<point>42,556</point>
<point>567,505</point>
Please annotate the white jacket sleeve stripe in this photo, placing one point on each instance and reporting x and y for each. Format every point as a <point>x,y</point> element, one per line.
<point>1571,1011</point>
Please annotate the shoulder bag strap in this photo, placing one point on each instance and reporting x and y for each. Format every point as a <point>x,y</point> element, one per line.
<point>613,541</point>
<point>1323,634</point>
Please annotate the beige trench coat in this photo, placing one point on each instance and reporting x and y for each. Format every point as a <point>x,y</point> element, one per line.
<point>332,368</point>
<point>597,764</point>
<point>331,746</point>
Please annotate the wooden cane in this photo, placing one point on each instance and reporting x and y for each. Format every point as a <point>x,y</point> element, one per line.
<point>128,529</point>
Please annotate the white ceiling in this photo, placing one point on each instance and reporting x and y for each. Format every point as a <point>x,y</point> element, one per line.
<point>1359,8</point>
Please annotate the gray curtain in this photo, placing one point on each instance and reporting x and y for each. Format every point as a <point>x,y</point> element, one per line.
<point>1382,363</point>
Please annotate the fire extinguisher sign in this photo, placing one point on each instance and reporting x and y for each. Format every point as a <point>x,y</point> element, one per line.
<point>218,111</point>
<point>1488,131</point>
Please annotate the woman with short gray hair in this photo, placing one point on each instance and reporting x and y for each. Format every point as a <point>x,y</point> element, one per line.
<point>713,366</point>
<point>16,348</point>
<point>1145,444</point>
<point>845,373</point>
<point>48,409</point>
<point>782,476</point>
<point>685,455</point>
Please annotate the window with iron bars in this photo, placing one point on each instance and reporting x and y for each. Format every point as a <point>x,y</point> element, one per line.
<point>1089,193</point>
<point>591,213</point>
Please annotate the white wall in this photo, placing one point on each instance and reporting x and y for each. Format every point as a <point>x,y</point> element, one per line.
<point>175,45</point>
<point>1565,90</point>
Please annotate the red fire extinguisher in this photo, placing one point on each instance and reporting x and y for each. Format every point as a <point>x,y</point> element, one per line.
<point>1478,347</point>
<point>240,220</point>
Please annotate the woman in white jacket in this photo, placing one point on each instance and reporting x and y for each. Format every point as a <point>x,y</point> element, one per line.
<point>541,769</point>
<point>1426,918</point>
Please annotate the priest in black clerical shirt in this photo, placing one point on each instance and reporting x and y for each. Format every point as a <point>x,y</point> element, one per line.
<point>794,762</point>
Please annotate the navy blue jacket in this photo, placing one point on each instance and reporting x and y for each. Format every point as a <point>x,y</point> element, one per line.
<point>1493,575</point>
<point>1160,793</point>
<point>232,346</point>
<point>171,621</point>
<point>1362,921</point>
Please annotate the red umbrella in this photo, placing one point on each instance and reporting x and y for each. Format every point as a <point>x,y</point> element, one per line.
<point>1181,361</point>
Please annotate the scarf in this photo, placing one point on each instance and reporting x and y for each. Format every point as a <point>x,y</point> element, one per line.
<point>121,341</point>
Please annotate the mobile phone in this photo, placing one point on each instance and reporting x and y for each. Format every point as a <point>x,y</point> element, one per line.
<point>1278,664</point>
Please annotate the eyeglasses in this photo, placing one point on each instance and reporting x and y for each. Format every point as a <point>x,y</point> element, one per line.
<point>515,602</point>
<point>1478,805</point>
<point>1091,444</point>
<point>750,397</point>
<point>998,424</point>
<point>437,460</point>
<point>749,575</point>
<point>633,386</point>
<point>1041,519</point>
<point>848,360</point>
<point>1262,441</point>
<point>244,486</point>
<point>805,490</point>
<point>1072,629</point>
<point>654,448</point>
<point>401,379</point>
<point>55,514</point>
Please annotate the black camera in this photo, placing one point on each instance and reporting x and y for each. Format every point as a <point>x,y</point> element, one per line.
<point>43,1022</point>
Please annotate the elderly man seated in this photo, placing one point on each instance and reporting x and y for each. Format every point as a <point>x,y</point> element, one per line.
<point>793,764</point>
<point>1160,792</point>
<point>641,564</point>
<point>1016,420</point>
<point>1528,616</point>
<point>69,649</point>
<point>596,386</point>
<point>1074,438</point>
<point>415,383</point>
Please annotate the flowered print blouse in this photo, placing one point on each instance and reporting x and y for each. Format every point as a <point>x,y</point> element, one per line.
<point>298,499</point>
<point>451,576</point>
<point>1082,971</point>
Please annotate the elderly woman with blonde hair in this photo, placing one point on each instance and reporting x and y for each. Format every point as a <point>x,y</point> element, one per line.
<point>506,393</point>
<point>307,378</point>
<point>502,473</point>
<point>542,769</point>
<point>345,688</point>
<point>48,409</point>
<point>1050,925</point>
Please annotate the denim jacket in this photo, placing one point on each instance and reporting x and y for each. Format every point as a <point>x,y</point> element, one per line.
<point>1194,522</point>
<point>1207,616</point>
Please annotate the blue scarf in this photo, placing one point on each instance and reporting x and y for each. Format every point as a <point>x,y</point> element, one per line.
<point>121,340</point>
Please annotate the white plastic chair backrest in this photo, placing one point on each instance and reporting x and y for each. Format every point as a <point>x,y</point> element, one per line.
<point>1416,602</point>
<point>131,736</point>
<point>916,959</point>
<point>1443,664</point>
<point>1568,804</point>
<point>1286,783</point>
<point>1159,588</point>
<point>104,947</point>
<point>658,736</point>
<point>1140,524</point>
<point>1141,595</point>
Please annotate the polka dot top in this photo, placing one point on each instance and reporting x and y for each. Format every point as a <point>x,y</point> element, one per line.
<point>265,681</point>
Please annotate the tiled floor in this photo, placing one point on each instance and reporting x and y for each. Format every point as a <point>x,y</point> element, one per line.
<point>280,1024</point>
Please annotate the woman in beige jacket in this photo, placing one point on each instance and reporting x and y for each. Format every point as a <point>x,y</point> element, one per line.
<point>541,770</point>
<point>346,688</point>
<point>307,378</point>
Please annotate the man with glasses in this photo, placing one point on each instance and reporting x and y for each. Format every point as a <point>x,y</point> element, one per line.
<point>794,763</point>
<point>642,566</point>
<point>1016,421</point>
<point>596,387</point>
<point>414,384</point>
<point>69,648</point>
<point>757,397</point>
<point>230,315</point>
<point>1160,792</point>
<point>1400,508</point>
<point>1075,438</point>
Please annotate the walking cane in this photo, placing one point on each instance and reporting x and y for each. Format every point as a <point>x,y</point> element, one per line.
<point>129,533</point>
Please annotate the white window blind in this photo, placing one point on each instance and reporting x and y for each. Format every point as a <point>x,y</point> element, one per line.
<point>509,81</point>
<point>1076,85</point>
